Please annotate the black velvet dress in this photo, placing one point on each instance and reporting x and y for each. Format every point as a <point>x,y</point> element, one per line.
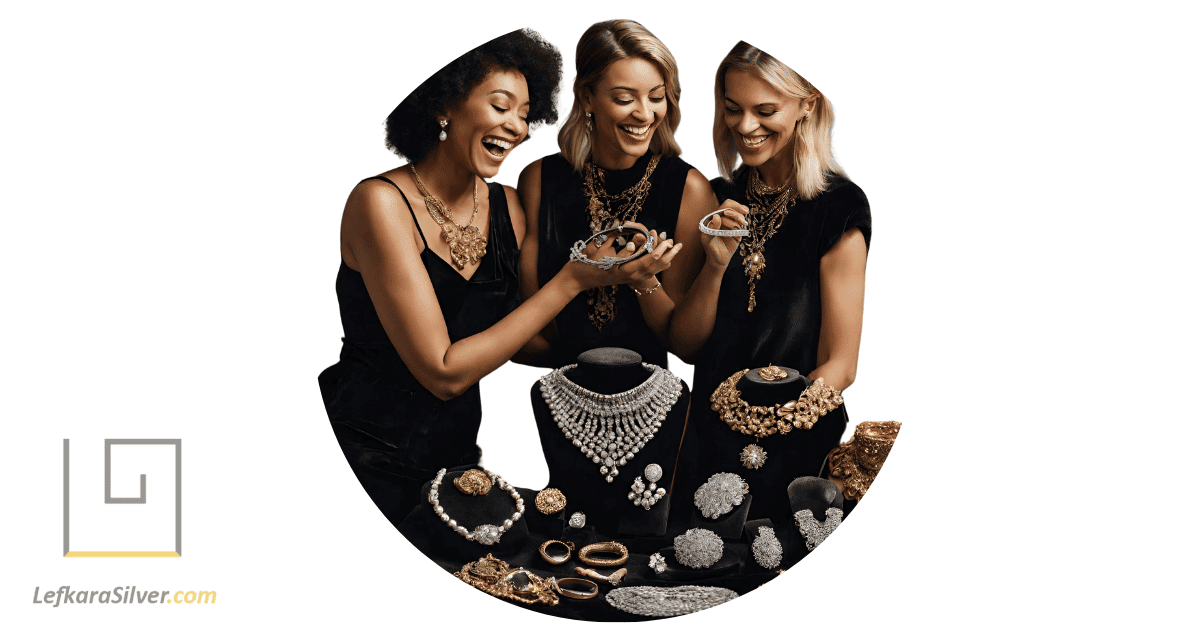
<point>563,220</point>
<point>783,329</point>
<point>394,432</point>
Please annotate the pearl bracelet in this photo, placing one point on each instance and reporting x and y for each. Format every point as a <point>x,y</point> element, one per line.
<point>486,534</point>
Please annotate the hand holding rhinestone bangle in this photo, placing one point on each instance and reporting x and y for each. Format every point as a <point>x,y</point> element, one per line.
<point>606,262</point>
<point>730,220</point>
<point>720,232</point>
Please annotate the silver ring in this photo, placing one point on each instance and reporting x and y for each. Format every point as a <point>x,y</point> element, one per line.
<point>608,261</point>
<point>577,520</point>
<point>720,232</point>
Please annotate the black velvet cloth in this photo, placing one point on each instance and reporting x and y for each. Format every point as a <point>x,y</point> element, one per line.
<point>394,432</point>
<point>607,505</point>
<point>563,220</point>
<point>783,330</point>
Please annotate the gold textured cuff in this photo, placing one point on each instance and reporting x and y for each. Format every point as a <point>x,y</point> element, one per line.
<point>561,585</point>
<point>607,547</point>
<point>556,561</point>
<point>550,501</point>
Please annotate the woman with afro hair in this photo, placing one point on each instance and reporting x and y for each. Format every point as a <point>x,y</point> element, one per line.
<point>427,287</point>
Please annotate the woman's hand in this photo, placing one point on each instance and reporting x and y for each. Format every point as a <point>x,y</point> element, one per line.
<point>640,272</point>
<point>719,250</point>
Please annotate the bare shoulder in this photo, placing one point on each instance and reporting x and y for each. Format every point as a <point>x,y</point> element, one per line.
<point>531,175</point>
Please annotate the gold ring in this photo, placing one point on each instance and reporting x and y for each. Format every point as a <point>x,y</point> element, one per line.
<point>473,482</point>
<point>552,560</point>
<point>607,547</point>
<point>591,588</point>
<point>550,501</point>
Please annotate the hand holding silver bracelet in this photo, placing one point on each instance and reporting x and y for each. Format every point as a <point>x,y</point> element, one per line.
<point>720,232</point>
<point>608,261</point>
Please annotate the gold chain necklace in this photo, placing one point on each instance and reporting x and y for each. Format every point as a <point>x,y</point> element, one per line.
<point>467,245</point>
<point>766,216</point>
<point>610,210</point>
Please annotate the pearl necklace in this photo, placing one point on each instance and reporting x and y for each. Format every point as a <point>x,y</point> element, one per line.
<point>486,534</point>
<point>610,429</point>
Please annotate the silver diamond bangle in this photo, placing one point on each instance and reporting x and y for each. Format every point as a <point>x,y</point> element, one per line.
<point>486,534</point>
<point>815,532</point>
<point>720,232</point>
<point>608,261</point>
<point>767,549</point>
<point>667,601</point>
<point>720,494</point>
<point>699,548</point>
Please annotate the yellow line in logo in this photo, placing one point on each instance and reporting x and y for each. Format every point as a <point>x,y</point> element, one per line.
<point>122,555</point>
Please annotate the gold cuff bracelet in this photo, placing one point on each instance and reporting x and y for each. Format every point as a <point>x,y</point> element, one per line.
<point>552,560</point>
<point>607,547</point>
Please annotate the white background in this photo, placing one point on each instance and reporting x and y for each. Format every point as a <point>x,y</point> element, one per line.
<point>172,184</point>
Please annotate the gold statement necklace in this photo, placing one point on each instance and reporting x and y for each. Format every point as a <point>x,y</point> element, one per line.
<point>467,244</point>
<point>605,211</point>
<point>768,208</point>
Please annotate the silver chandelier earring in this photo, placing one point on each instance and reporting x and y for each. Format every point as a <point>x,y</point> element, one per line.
<point>442,135</point>
<point>589,122</point>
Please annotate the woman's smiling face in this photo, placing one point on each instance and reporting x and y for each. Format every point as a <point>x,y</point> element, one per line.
<point>627,105</point>
<point>485,128</point>
<point>762,119</point>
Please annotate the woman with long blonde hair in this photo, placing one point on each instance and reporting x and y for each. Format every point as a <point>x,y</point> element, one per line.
<point>619,162</point>
<point>794,297</point>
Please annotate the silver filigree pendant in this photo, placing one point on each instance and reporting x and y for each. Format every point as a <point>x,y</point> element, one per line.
<point>815,532</point>
<point>753,457</point>
<point>767,549</point>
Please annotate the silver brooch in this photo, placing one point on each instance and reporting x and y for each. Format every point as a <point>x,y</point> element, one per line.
<point>699,548</point>
<point>658,563</point>
<point>815,532</point>
<point>667,601</point>
<point>720,494</point>
<point>577,520</point>
<point>753,457</point>
<point>767,550</point>
<point>645,497</point>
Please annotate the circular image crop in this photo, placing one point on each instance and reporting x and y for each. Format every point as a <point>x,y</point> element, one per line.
<point>609,264</point>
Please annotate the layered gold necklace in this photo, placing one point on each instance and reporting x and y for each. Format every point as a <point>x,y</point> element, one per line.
<point>768,208</point>
<point>610,210</point>
<point>467,244</point>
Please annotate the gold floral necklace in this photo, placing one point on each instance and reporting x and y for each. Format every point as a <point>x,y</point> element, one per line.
<point>467,244</point>
<point>610,210</point>
<point>768,208</point>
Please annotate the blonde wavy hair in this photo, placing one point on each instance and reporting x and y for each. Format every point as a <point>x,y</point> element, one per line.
<point>601,45</point>
<point>812,157</point>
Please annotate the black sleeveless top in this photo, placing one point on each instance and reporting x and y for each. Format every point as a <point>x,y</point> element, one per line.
<point>563,220</point>
<point>784,330</point>
<point>394,432</point>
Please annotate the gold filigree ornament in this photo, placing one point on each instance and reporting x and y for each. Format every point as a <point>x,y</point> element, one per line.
<point>550,501</point>
<point>762,421</point>
<point>606,211</point>
<point>772,373</point>
<point>768,208</point>
<point>467,244</point>
<point>494,577</point>
<point>857,461</point>
<point>473,482</point>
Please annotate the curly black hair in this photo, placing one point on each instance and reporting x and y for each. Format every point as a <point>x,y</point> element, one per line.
<point>412,128</point>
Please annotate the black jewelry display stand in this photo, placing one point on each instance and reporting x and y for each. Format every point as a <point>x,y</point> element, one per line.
<point>607,505</point>
<point>807,493</point>
<point>426,529</point>
<point>761,392</point>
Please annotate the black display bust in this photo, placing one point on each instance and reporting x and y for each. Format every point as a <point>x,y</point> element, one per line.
<point>607,505</point>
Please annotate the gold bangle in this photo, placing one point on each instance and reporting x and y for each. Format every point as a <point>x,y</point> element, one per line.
<point>649,291</point>
<point>592,587</point>
<point>585,554</point>
<point>550,501</point>
<point>556,561</point>
<point>473,482</point>
<point>614,578</point>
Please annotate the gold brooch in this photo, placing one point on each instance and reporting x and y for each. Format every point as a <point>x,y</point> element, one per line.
<point>772,373</point>
<point>550,501</point>
<point>473,482</point>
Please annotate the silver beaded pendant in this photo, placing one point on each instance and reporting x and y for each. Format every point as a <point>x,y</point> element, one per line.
<point>610,429</point>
